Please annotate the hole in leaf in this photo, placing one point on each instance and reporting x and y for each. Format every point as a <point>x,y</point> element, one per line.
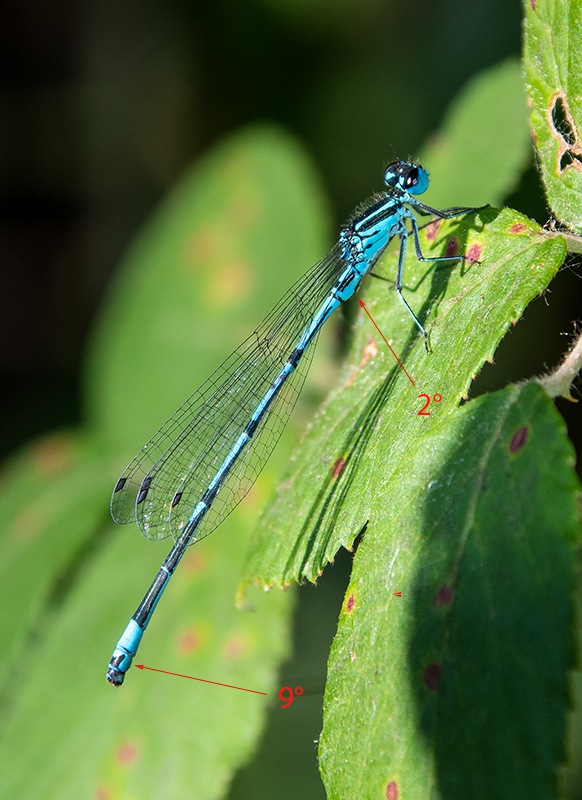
<point>562,121</point>
<point>570,152</point>
<point>570,159</point>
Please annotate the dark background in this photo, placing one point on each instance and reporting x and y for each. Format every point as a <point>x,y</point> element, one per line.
<point>102,105</point>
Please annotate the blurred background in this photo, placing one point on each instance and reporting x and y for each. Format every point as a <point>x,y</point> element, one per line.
<point>102,106</point>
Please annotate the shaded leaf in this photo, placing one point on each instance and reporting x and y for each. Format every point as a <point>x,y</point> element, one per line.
<point>460,687</point>
<point>198,279</point>
<point>158,735</point>
<point>51,506</point>
<point>483,146</point>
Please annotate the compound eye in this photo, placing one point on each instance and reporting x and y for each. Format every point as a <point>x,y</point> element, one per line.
<point>393,173</point>
<point>417,180</point>
<point>411,178</point>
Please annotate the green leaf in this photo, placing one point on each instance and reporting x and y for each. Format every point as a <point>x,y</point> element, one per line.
<point>459,688</point>
<point>553,67</point>
<point>157,736</point>
<point>51,504</point>
<point>364,430</point>
<point>200,276</point>
<point>198,279</point>
<point>483,147</point>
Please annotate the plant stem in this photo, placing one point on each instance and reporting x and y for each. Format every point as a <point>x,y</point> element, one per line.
<point>559,382</point>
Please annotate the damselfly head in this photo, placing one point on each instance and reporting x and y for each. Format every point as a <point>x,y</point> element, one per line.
<point>405,175</point>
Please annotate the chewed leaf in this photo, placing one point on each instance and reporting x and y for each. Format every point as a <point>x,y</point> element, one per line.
<point>553,66</point>
<point>364,430</point>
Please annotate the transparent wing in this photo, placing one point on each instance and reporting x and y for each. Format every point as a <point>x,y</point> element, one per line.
<point>251,460</point>
<point>184,455</point>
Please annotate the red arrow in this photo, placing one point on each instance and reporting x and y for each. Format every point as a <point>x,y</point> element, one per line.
<point>202,680</point>
<point>361,302</point>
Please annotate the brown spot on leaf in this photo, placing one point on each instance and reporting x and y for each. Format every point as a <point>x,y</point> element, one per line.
<point>188,641</point>
<point>230,283</point>
<point>432,229</point>
<point>204,247</point>
<point>432,677</point>
<point>350,604</point>
<point>474,252</point>
<point>519,439</point>
<point>235,647</point>
<point>195,562</point>
<point>127,754</point>
<point>517,228</point>
<point>452,247</point>
<point>370,351</point>
<point>52,456</point>
<point>444,596</point>
<point>392,791</point>
<point>338,468</point>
